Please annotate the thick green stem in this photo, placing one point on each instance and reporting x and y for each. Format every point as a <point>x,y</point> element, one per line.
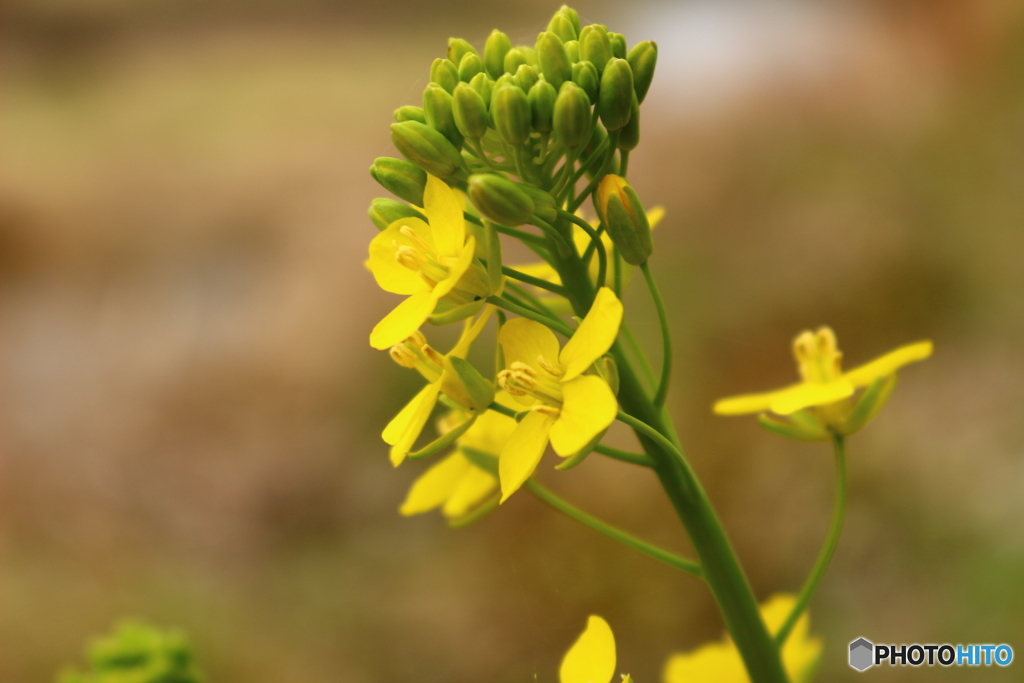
<point>828,550</point>
<point>611,532</point>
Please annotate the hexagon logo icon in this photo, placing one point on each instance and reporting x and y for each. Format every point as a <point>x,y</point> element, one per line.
<point>861,654</point>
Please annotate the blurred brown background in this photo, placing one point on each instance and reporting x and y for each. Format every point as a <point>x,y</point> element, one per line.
<point>190,413</point>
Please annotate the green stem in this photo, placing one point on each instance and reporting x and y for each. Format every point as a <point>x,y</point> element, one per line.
<point>611,532</point>
<point>625,456</point>
<point>511,307</point>
<point>623,162</point>
<point>595,240</point>
<point>530,240</point>
<point>638,353</point>
<point>666,336</point>
<point>613,138</point>
<point>529,299</point>
<point>531,280</point>
<point>828,550</point>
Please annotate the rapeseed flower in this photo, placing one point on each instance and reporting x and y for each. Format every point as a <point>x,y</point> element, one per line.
<point>429,262</point>
<point>820,403</point>
<point>720,662</point>
<point>566,407</point>
<point>442,376</point>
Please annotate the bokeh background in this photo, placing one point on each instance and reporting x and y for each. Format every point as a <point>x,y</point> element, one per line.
<point>190,413</point>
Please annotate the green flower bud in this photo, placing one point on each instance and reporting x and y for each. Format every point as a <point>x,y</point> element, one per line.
<point>571,121</point>
<point>505,79</point>
<point>400,178</point>
<point>595,47</point>
<point>437,105</point>
<point>544,206</point>
<point>445,74</point>
<point>500,200</point>
<point>562,27</point>
<point>629,135</point>
<point>525,77</point>
<point>470,112</point>
<point>572,48</point>
<point>618,42</point>
<point>384,212</point>
<point>470,66</point>
<point>597,138</point>
<point>410,113</point>
<point>616,96</point>
<point>542,98</point>
<point>514,58</point>
<point>458,49</point>
<point>528,53</point>
<point>553,59</point>
<point>484,87</point>
<point>464,384</point>
<point>426,147</point>
<point>510,112</point>
<point>642,59</point>
<point>572,16</point>
<point>625,219</point>
<point>495,49</point>
<point>584,74</point>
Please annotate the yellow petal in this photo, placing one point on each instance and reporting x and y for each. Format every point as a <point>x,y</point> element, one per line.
<point>491,430</point>
<point>595,335</point>
<point>591,659</point>
<point>457,269</point>
<point>474,487</point>
<point>436,485</point>
<point>523,451</point>
<point>711,663</point>
<point>749,403</point>
<point>655,215</point>
<point>588,408</point>
<point>524,341</point>
<point>810,394</point>
<point>392,276</point>
<point>889,363</point>
<point>403,430</point>
<point>444,210</point>
<point>801,651</point>
<point>470,331</point>
<point>406,318</point>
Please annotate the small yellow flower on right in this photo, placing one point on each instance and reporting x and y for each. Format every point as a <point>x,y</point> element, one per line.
<point>823,404</point>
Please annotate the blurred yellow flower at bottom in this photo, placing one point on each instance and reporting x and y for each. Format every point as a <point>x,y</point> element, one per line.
<point>720,662</point>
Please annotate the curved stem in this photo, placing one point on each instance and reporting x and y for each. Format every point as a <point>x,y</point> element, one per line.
<point>531,280</point>
<point>511,307</point>
<point>613,138</point>
<point>638,353</point>
<point>595,240</point>
<point>650,432</point>
<point>623,162</point>
<point>828,550</point>
<point>530,240</point>
<point>611,532</point>
<point>641,459</point>
<point>528,298</point>
<point>666,336</point>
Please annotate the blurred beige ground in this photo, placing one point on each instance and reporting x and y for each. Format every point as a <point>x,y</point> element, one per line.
<point>190,413</point>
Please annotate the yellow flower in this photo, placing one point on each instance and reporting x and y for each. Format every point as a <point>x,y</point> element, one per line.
<point>720,662</point>
<point>428,262</point>
<point>825,389</point>
<point>545,271</point>
<point>455,484</point>
<point>404,429</point>
<point>591,659</point>
<point>566,407</point>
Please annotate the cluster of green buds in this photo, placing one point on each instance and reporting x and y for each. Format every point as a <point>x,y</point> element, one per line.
<point>137,653</point>
<point>516,127</point>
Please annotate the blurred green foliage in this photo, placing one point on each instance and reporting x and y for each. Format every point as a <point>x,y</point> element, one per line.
<point>137,652</point>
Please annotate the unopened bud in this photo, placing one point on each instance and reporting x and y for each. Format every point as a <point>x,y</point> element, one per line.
<point>510,112</point>
<point>426,147</point>
<point>445,74</point>
<point>525,77</point>
<point>458,49</point>
<point>514,59</point>
<point>383,212</point>
<point>470,66</point>
<point>544,206</point>
<point>572,16</point>
<point>618,42</point>
<point>572,48</point>
<point>470,111</point>
<point>542,98</point>
<point>529,54</point>
<point>437,105</point>
<point>483,86</point>
<point>495,49</point>
<point>642,60</point>
<point>571,121</point>
<point>629,135</point>
<point>616,96</point>
<point>553,59</point>
<point>400,178</point>
<point>595,47</point>
<point>561,25</point>
<point>410,113</point>
<point>464,384</point>
<point>584,74</point>
<point>624,219</point>
<point>500,200</point>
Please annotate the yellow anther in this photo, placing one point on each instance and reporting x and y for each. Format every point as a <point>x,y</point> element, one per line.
<point>418,242</point>
<point>432,355</point>
<point>403,355</point>
<point>817,356</point>
<point>547,367</point>
<point>546,410</point>
<point>410,258</point>
<point>417,340</point>
<point>508,382</point>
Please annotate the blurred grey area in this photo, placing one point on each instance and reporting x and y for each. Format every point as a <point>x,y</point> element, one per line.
<point>190,412</point>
